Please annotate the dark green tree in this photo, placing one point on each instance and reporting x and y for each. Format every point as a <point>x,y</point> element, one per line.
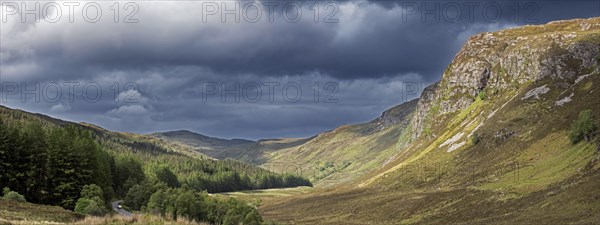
<point>165,175</point>
<point>584,128</point>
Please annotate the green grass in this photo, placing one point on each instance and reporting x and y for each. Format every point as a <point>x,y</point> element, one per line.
<point>562,188</point>
<point>356,144</point>
<point>556,182</point>
<point>547,161</point>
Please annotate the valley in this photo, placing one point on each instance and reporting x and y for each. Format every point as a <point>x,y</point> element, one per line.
<point>509,135</point>
<point>491,143</point>
<point>491,149</point>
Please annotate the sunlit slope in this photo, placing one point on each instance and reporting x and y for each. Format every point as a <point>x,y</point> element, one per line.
<point>490,141</point>
<point>343,154</point>
<point>329,158</point>
<point>501,102</point>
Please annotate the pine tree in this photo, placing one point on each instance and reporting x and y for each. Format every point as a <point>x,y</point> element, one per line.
<point>5,157</point>
<point>36,157</point>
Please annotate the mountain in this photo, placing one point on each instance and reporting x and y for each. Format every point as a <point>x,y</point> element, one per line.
<point>509,135</point>
<point>347,152</point>
<point>331,157</point>
<point>503,62</point>
<point>498,140</point>
<point>214,147</point>
<point>82,167</point>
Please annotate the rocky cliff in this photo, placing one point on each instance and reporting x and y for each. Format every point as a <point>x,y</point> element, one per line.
<point>400,114</point>
<point>495,62</point>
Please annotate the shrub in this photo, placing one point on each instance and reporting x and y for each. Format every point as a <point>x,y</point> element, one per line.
<point>427,132</point>
<point>91,191</point>
<point>81,204</point>
<point>240,213</point>
<point>91,201</point>
<point>252,218</point>
<point>583,128</point>
<point>13,195</point>
<point>139,194</point>
<point>90,207</point>
<point>158,202</point>
<point>475,139</point>
<point>482,95</point>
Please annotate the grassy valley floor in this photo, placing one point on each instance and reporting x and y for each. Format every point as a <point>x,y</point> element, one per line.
<point>573,201</point>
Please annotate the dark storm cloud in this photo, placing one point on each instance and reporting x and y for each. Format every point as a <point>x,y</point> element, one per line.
<point>368,41</point>
<point>372,41</point>
<point>373,51</point>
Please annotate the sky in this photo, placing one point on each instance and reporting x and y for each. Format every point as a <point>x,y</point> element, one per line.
<point>240,69</point>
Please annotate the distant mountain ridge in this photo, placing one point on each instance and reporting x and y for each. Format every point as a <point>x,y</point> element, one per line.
<point>214,147</point>
<point>372,144</point>
<point>201,137</point>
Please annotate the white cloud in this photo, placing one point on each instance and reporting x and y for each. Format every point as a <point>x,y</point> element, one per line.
<point>128,110</point>
<point>131,96</point>
<point>60,108</point>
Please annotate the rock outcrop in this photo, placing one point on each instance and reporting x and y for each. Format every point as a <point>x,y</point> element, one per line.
<point>399,114</point>
<point>509,59</point>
